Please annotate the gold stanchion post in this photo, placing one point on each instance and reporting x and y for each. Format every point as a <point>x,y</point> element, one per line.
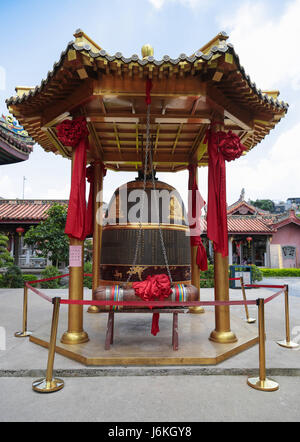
<point>24,333</point>
<point>48,384</point>
<point>262,383</point>
<point>287,343</point>
<point>249,320</point>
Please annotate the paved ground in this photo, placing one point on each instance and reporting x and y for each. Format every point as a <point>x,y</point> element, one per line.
<point>155,393</point>
<point>155,399</point>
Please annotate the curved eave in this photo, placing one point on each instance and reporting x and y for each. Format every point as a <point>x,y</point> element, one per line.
<point>82,65</point>
<point>102,55</point>
<point>10,155</point>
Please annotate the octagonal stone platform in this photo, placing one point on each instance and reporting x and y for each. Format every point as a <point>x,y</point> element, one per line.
<point>134,344</point>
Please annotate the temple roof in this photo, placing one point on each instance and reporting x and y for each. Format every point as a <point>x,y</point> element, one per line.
<point>287,218</point>
<point>241,207</point>
<point>188,93</point>
<point>35,211</point>
<point>26,211</point>
<point>15,143</point>
<point>245,225</point>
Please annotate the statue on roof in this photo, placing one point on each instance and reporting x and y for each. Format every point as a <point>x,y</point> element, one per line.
<point>242,196</point>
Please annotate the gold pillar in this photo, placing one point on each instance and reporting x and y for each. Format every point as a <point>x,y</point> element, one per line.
<point>97,235</point>
<point>222,332</point>
<point>195,271</point>
<point>75,333</point>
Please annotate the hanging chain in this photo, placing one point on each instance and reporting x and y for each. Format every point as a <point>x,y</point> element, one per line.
<point>138,243</point>
<point>148,155</point>
<point>163,247</point>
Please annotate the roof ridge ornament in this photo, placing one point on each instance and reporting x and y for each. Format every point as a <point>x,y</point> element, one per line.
<point>218,40</point>
<point>147,51</point>
<point>82,39</point>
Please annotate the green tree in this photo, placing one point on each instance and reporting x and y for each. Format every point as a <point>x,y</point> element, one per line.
<point>48,238</point>
<point>13,278</point>
<point>5,258</point>
<point>264,205</point>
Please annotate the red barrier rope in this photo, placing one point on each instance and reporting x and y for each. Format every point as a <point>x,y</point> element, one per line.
<point>54,277</point>
<point>274,296</point>
<point>265,286</point>
<point>157,303</point>
<point>37,292</point>
<point>211,279</point>
<point>47,279</point>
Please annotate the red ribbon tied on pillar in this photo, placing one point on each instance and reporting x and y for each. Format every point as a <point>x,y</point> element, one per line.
<point>90,218</point>
<point>154,288</point>
<point>71,132</point>
<point>74,133</point>
<point>230,145</point>
<point>196,204</point>
<point>221,146</point>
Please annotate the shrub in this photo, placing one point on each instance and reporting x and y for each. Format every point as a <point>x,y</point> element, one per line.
<point>50,272</point>
<point>87,280</point>
<point>208,280</point>
<point>13,278</point>
<point>256,274</point>
<point>5,257</point>
<point>28,278</point>
<point>280,272</point>
<point>208,277</point>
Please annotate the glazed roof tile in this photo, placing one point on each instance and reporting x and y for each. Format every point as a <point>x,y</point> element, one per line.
<point>234,207</point>
<point>244,225</point>
<point>26,210</point>
<point>87,48</point>
<point>34,211</point>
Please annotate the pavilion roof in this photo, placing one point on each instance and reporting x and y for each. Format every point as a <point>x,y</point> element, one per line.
<point>188,93</point>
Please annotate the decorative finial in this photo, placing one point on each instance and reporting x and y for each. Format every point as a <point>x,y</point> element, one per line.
<point>242,196</point>
<point>147,51</point>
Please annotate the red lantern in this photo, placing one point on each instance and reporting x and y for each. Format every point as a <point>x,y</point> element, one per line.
<point>20,231</point>
<point>249,239</point>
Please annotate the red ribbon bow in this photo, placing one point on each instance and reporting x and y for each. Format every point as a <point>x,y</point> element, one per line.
<point>80,219</point>
<point>154,288</point>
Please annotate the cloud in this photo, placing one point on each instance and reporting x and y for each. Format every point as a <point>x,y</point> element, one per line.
<point>58,193</point>
<point>275,176</point>
<point>158,4</point>
<point>280,171</point>
<point>7,187</point>
<point>266,45</point>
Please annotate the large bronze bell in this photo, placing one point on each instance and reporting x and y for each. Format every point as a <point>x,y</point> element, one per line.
<point>122,228</point>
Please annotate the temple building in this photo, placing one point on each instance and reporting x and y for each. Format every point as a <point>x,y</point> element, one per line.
<point>255,236</point>
<point>15,143</point>
<point>264,239</point>
<point>16,217</point>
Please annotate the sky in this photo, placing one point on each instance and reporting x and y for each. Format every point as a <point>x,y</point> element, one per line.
<point>265,35</point>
